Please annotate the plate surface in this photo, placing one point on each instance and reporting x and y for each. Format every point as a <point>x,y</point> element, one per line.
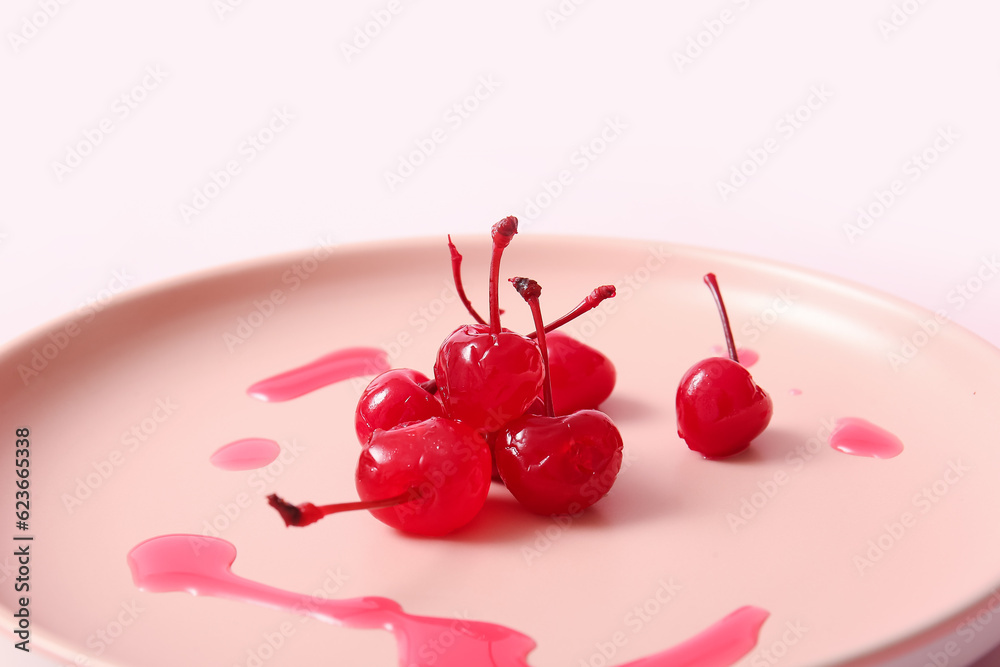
<point>852,556</point>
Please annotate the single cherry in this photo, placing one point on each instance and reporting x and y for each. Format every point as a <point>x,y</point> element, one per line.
<point>426,478</point>
<point>487,375</point>
<point>582,378</point>
<point>395,397</point>
<point>720,408</point>
<point>557,464</point>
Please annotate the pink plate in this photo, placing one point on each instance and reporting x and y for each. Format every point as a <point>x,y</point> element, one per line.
<point>859,560</point>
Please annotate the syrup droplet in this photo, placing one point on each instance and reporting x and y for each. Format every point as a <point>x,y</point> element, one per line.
<point>859,437</point>
<point>334,367</point>
<point>747,356</point>
<point>246,454</point>
<point>202,566</point>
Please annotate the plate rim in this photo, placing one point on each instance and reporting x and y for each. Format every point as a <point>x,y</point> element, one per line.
<point>851,289</point>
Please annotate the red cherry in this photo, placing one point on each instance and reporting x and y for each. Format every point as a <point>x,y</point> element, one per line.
<point>557,465</point>
<point>720,409</point>
<point>486,375</point>
<point>427,478</point>
<point>394,397</point>
<point>486,379</point>
<point>582,378</point>
<point>447,463</point>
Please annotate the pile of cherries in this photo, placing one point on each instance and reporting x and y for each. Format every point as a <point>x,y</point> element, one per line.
<point>520,408</point>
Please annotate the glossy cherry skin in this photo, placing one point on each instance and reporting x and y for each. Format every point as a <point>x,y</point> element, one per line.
<point>559,465</point>
<point>393,398</point>
<point>447,462</point>
<point>486,380</point>
<point>720,409</point>
<point>582,377</point>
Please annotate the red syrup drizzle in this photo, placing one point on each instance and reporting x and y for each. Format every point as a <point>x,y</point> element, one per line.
<point>747,357</point>
<point>852,435</point>
<point>720,645</point>
<point>246,454</point>
<point>202,566</point>
<point>337,366</point>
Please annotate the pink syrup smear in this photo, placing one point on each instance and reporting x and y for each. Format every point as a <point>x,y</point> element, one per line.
<point>852,435</point>
<point>246,454</point>
<point>795,392</point>
<point>203,566</point>
<point>334,367</point>
<point>747,357</point>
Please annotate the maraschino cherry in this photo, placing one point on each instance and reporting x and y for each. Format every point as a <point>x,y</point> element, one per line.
<point>582,377</point>
<point>487,375</point>
<point>557,464</point>
<point>428,477</point>
<point>395,397</point>
<point>720,409</point>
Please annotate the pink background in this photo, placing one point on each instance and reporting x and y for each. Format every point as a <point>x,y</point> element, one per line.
<point>142,143</point>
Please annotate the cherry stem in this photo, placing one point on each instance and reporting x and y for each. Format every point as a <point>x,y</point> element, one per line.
<point>598,295</point>
<point>307,513</point>
<point>713,285</point>
<point>456,272</point>
<point>530,291</point>
<point>502,233</point>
